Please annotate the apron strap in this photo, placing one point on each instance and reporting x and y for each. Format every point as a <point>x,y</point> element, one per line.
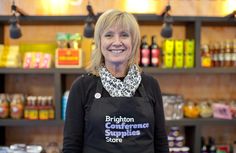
<point>142,91</point>
<point>99,87</point>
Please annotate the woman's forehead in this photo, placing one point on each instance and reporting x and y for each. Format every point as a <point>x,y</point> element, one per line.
<point>117,27</point>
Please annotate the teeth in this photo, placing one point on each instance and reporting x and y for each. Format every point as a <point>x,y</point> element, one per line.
<point>117,51</point>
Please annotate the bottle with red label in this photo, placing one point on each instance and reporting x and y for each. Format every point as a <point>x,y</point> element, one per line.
<point>155,53</point>
<point>144,52</point>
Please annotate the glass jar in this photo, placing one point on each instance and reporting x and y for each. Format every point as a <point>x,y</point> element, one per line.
<point>178,109</point>
<point>191,110</point>
<point>205,109</point>
<point>17,106</point>
<point>4,106</point>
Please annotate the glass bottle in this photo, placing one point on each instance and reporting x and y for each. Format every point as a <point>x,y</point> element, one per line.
<point>215,55</point>
<point>221,54</point>
<point>145,52</point>
<point>203,146</point>
<point>227,54</point>
<point>155,53</point>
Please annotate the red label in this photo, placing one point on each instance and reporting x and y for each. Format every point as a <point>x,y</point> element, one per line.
<point>145,60</point>
<point>155,56</point>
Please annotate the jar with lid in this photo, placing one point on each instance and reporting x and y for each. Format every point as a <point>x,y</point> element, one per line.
<point>168,103</point>
<point>221,54</point>
<point>205,56</point>
<point>178,109</point>
<point>215,55</point>
<point>205,109</point>
<point>17,106</point>
<point>233,108</point>
<point>4,106</point>
<point>191,110</point>
<point>227,54</point>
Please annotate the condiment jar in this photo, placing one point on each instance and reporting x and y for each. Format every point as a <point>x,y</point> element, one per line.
<point>191,110</point>
<point>4,106</point>
<point>205,109</point>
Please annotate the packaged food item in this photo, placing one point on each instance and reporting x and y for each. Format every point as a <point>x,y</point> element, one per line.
<point>51,108</point>
<point>179,54</point>
<point>205,109</point>
<point>205,56</point>
<point>189,53</point>
<point>168,51</point>
<point>233,108</point>
<point>17,106</point>
<point>75,41</point>
<point>62,39</point>
<point>191,110</point>
<point>43,108</point>
<point>221,110</point>
<point>4,106</point>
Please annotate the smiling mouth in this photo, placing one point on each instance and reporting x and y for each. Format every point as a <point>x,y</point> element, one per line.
<point>116,51</point>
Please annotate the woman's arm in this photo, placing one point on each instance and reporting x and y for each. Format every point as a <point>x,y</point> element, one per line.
<point>74,122</point>
<point>161,143</point>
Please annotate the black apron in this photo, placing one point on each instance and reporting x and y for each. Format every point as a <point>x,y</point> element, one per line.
<point>119,124</point>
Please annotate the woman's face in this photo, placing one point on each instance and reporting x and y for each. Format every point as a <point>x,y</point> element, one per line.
<point>116,46</point>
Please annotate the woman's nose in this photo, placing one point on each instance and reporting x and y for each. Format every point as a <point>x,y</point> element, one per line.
<point>117,40</point>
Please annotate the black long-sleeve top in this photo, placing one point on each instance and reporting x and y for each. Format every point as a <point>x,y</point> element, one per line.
<point>82,92</point>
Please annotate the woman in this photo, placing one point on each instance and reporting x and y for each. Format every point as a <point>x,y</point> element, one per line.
<point>115,108</point>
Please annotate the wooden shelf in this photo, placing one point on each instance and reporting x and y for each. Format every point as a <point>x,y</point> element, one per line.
<point>150,70</point>
<point>181,122</point>
<point>12,122</point>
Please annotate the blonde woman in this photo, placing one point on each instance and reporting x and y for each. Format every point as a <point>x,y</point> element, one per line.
<point>115,108</point>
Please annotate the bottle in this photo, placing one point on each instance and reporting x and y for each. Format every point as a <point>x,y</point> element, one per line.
<point>215,55</point>
<point>145,52</point>
<point>234,53</point>
<point>227,55</point>
<point>211,145</point>
<point>221,54</point>
<point>203,146</point>
<point>155,53</point>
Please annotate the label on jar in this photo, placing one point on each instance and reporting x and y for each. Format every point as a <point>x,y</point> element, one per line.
<point>233,56</point>
<point>221,57</point>
<point>227,56</point>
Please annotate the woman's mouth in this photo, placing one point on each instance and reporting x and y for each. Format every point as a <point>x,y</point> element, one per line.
<point>116,51</point>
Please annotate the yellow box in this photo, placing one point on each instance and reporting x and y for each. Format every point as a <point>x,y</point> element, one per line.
<point>68,58</point>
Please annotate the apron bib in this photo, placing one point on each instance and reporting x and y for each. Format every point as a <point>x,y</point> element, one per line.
<point>119,124</point>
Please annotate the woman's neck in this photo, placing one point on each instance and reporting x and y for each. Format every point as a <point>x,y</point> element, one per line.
<point>117,70</point>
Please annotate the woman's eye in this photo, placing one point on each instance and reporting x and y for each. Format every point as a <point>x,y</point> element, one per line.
<point>125,35</point>
<point>108,35</point>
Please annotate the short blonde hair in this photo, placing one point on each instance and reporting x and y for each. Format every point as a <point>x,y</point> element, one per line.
<point>107,20</point>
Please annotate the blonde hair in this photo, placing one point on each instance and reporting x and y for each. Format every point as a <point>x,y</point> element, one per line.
<point>107,20</point>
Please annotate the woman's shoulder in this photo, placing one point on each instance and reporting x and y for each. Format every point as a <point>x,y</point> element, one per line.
<point>85,80</point>
<point>147,78</point>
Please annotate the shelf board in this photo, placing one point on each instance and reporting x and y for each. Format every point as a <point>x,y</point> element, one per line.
<point>26,71</point>
<point>80,19</point>
<point>12,122</point>
<point>201,122</point>
<point>150,70</point>
<point>154,70</point>
<point>181,122</point>
<point>70,70</point>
